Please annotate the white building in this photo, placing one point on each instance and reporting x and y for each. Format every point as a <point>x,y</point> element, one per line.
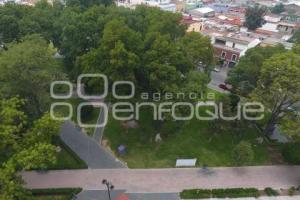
<point>202,12</point>
<point>165,5</point>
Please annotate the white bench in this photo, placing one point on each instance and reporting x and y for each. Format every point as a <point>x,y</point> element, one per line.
<point>186,162</point>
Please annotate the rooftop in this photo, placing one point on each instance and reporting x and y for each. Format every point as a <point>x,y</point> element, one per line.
<point>205,10</point>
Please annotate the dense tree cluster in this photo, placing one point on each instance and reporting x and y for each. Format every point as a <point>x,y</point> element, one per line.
<point>57,41</point>
<point>278,8</point>
<point>145,45</point>
<point>270,75</point>
<point>255,16</point>
<point>23,146</point>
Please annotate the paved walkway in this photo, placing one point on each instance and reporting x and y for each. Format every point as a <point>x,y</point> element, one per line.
<point>168,180</point>
<point>89,150</point>
<point>102,195</point>
<point>98,134</point>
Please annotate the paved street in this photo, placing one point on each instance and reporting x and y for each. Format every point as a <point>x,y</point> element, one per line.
<point>167,180</point>
<point>218,78</point>
<point>88,149</point>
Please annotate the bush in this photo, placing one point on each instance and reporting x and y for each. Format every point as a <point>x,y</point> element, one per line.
<point>219,193</point>
<point>235,192</point>
<point>56,191</point>
<point>271,192</point>
<point>291,153</point>
<point>195,193</point>
<point>292,191</point>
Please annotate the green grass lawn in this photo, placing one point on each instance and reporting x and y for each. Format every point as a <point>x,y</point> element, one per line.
<point>193,139</point>
<point>66,158</point>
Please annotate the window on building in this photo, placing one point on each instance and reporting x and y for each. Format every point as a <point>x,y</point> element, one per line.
<point>234,57</point>
<point>233,45</point>
<point>223,55</point>
<point>222,42</point>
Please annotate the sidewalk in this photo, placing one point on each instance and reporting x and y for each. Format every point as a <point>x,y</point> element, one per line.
<point>168,180</point>
<point>88,149</point>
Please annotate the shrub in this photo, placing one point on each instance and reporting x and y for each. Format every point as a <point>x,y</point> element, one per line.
<point>235,192</point>
<point>291,153</point>
<point>271,192</point>
<point>219,193</point>
<point>56,191</point>
<point>292,191</point>
<point>243,153</point>
<point>195,193</point>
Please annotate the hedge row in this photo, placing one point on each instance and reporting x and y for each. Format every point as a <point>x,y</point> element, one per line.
<point>55,191</point>
<point>195,193</point>
<point>219,193</point>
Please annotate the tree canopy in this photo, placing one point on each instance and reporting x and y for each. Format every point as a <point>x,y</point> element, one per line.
<point>27,69</point>
<point>254,16</point>
<point>278,87</point>
<point>244,76</point>
<point>278,8</point>
<point>22,148</point>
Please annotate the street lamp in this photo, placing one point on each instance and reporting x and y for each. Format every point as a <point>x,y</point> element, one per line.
<point>109,187</point>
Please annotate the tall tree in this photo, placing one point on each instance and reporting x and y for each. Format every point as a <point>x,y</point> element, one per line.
<point>296,37</point>
<point>254,16</point>
<point>278,87</point>
<point>278,8</point>
<point>27,69</point>
<point>197,48</point>
<point>244,76</point>
<point>21,148</point>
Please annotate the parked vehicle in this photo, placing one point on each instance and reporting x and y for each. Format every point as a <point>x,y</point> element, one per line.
<point>223,86</point>
<point>216,70</point>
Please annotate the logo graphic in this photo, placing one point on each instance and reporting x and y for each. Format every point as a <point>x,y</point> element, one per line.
<point>250,111</point>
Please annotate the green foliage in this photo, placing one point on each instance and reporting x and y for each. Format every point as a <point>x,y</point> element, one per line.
<point>27,69</point>
<point>254,16</point>
<point>291,153</point>
<point>292,191</point>
<point>20,147</point>
<point>278,8</point>
<point>86,112</point>
<point>296,37</point>
<point>271,192</point>
<point>278,87</point>
<point>191,43</point>
<point>55,191</point>
<point>192,139</point>
<point>195,194</point>
<point>16,21</point>
<point>219,193</point>
<point>243,153</point>
<point>235,192</point>
<point>245,75</point>
<point>66,158</point>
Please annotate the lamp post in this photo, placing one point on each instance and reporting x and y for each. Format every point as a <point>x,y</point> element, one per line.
<point>109,187</point>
